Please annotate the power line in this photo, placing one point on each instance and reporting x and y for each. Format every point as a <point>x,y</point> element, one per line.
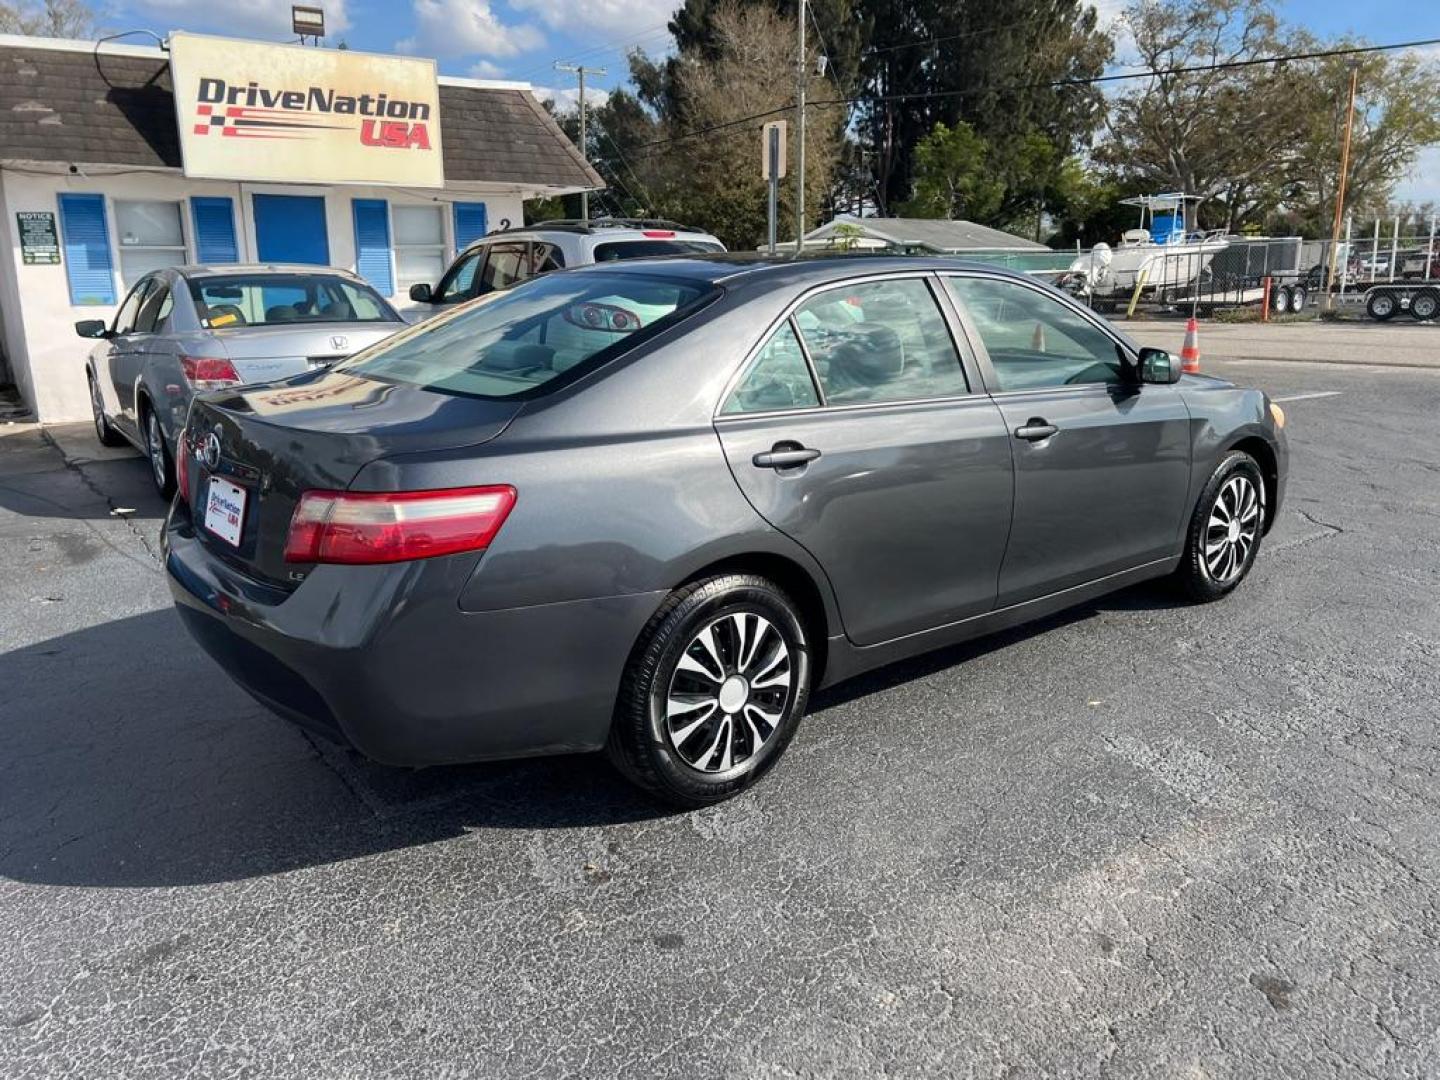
<point>649,200</point>
<point>616,45</point>
<point>1319,54</point>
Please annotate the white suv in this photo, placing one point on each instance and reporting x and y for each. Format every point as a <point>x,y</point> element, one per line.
<point>503,258</point>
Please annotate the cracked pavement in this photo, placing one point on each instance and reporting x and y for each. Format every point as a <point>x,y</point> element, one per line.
<point>1139,839</point>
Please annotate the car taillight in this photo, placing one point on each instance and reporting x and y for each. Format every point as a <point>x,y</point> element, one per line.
<point>182,465</point>
<point>395,526</point>
<point>208,372</point>
<point>659,234</point>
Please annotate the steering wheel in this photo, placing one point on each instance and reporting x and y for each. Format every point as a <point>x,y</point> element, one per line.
<point>1088,374</point>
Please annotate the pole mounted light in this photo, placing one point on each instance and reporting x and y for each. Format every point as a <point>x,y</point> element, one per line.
<point>307,21</point>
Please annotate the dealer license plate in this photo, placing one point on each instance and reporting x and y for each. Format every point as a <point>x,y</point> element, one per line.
<point>225,510</point>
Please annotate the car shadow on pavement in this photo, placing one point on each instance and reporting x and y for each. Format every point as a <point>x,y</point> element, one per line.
<point>1147,596</point>
<point>131,760</point>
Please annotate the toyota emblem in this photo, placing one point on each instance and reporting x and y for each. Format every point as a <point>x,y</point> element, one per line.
<point>210,454</point>
<point>339,341</point>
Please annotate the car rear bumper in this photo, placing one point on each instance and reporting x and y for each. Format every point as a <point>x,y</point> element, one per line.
<point>383,659</point>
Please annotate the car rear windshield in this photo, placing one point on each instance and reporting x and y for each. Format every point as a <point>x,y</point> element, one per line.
<point>645,249</point>
<point>276,299</point>
<point>512,343</point>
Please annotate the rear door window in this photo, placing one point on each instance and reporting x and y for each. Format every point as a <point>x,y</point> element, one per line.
<point>155,309</point>
<point>881,341</point>
<point>515,342</point>
<point>507,264</point>
<point>778,378</point>
<point>130,309</point>
<point>546,257</point>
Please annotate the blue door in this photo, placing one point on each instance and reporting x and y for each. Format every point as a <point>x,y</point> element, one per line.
<point>291,229</point>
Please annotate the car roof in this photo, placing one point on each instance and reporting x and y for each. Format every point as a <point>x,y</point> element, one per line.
<point>230,269</point>
<point>744,267</point>
<point>605,234</point>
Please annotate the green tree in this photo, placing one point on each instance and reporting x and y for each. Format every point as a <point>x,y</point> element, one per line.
<point>1215,134</point>
<point>1261,142</point>
<point>744,69</point>
<point>1397,113</point>
<point>953,177</point>
<point>1005,67</point>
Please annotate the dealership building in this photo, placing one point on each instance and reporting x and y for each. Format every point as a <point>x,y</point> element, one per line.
<point>116,160</point>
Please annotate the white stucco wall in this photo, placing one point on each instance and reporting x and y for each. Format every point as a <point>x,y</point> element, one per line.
<point>47,360</point>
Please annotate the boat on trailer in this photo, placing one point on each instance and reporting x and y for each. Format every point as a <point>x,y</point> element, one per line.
<point>1159,255</point>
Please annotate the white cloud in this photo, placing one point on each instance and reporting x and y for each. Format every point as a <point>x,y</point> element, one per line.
<point>1111,20</point>
<point>486,69</point>
<point>568,98</point>
<point>266,19</point>
<point>447,28</point>
<point>618,17</point>
<point>1423,183</point>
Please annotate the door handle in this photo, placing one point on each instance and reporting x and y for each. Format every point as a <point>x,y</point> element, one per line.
<point>1035,429</point>
<point>784,456</point>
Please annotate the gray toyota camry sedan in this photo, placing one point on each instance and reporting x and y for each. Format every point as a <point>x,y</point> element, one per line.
<point>192,328</point>
<point>648,507</point>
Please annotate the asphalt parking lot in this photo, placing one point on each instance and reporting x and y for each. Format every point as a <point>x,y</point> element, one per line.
<point>1140,839</point>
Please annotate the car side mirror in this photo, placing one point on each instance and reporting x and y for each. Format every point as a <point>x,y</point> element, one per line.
<point>92,328</point>
<point>422,293</point>
<point>1158,366</point>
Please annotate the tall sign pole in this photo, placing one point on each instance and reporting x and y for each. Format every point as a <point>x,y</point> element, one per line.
<point>772,159</point>
<point>1340,188</point>
<point>580,71</point>
<point>801,74</point>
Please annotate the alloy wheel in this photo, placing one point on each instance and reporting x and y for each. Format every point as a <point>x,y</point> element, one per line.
<point>729,692</point>
<point>155,447</point>
<point>97,409</point>
<point>1232,529</point>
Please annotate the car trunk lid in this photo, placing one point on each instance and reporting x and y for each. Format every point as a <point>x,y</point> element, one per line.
<point>265,353</point>
<point>314,432</point>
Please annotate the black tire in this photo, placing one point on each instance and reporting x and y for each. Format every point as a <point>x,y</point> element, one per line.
<point>646,742</point>
<point>1425,305</point>
<point>1382,305</point>
<point>1196,574</point>
<point>1280,300</point>
<point>104,432</point>
<point>1298,296</point>
<point>157,454</point>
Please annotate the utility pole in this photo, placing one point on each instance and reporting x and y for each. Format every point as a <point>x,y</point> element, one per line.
<point>802,75</point>
<point>1354,66</point>
<point>581,71</point>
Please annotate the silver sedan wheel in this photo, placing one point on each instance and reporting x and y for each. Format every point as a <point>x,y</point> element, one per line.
<point>98,409</point>
<point>1233,526</point>
<point>729,692</point>
<point>155,448</point>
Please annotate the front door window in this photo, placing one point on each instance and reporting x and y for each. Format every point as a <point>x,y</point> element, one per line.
<point>1035,340</point>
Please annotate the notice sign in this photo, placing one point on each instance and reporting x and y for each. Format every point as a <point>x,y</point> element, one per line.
<point>286,113</point>
<point>39,243</point>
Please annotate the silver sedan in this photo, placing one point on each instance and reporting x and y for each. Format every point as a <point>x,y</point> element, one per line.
<point>193,328</point>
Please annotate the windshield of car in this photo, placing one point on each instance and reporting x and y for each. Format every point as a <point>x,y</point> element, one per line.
<point>275,299</point>
<point>644,249</point>
<point>512,343</point>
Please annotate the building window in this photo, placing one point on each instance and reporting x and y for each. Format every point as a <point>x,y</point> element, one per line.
<point>419,244</point>
<point>150,238</point>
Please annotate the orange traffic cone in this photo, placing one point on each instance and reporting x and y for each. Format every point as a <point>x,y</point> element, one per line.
<point>1190,351</point>
<point>1037,339</point>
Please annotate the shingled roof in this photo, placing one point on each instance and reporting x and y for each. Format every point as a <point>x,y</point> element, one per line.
<point>63,103</point>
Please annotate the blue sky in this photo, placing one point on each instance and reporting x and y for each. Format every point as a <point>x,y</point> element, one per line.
<point>521,39</point>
